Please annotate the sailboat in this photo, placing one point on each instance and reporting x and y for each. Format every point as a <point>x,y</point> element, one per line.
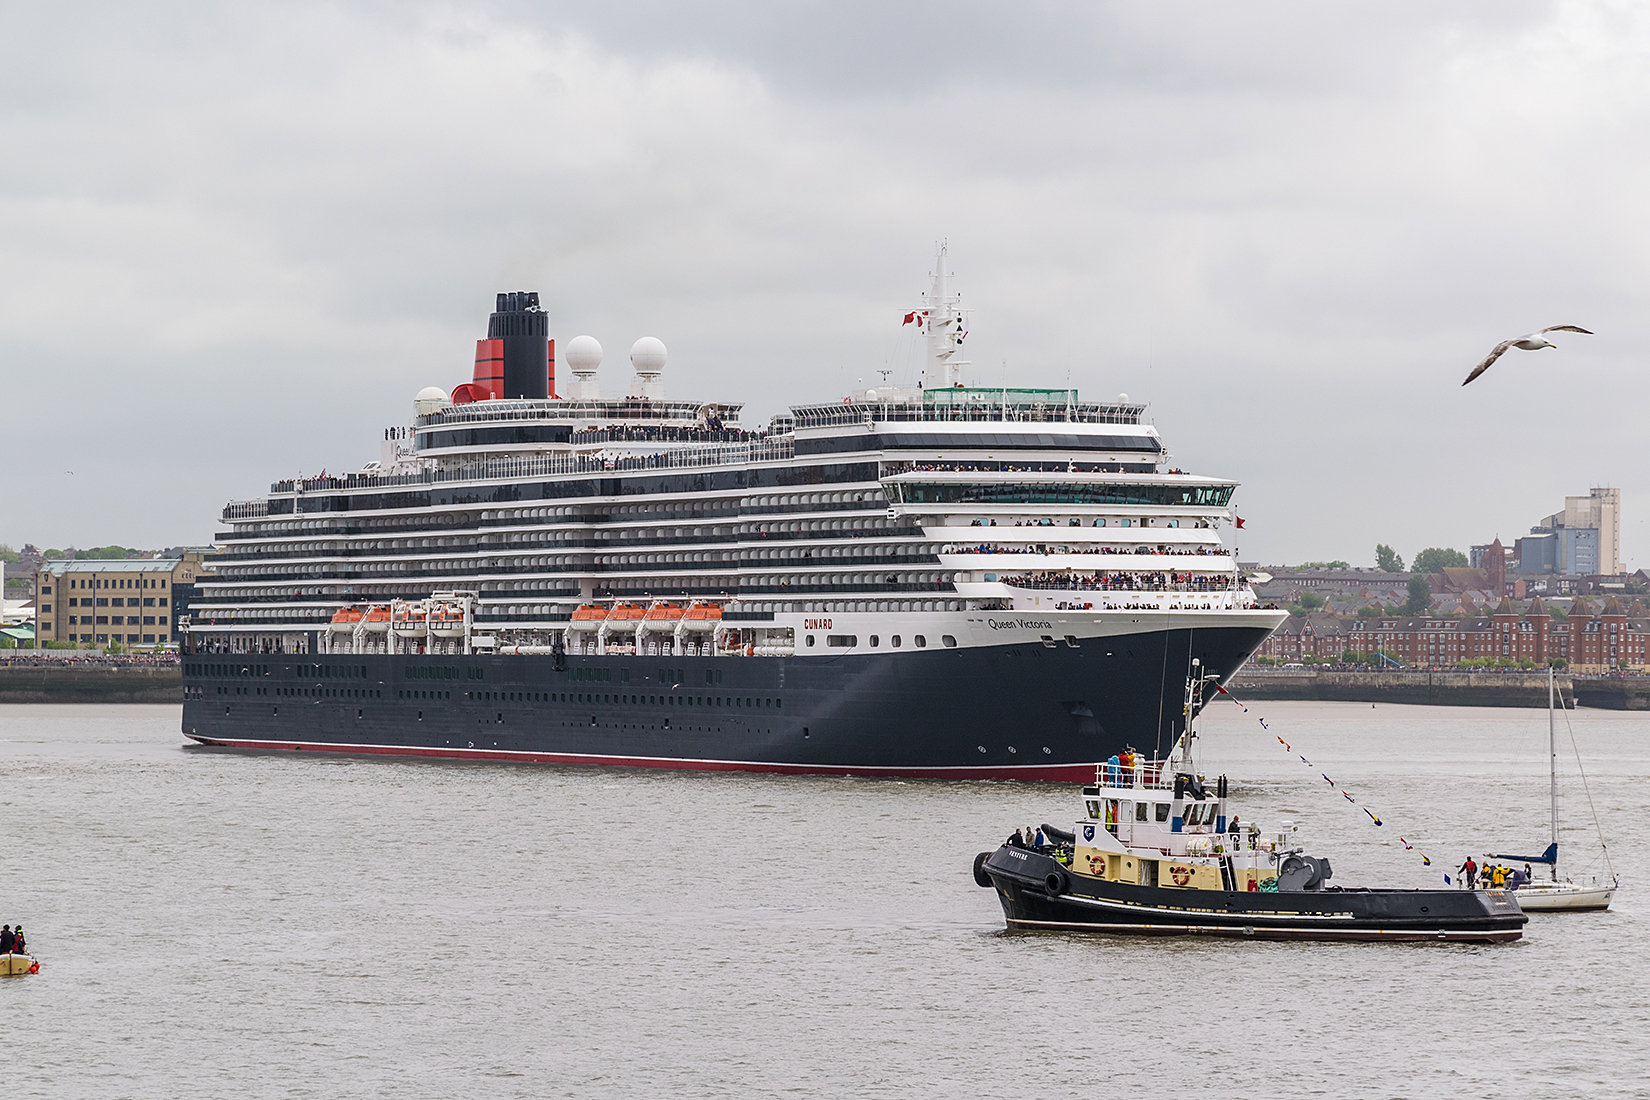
<point>1553,893</point>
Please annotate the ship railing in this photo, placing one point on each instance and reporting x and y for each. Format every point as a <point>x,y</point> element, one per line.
<point>686,457</point>
<point>246,509</point>
<point>983,411</point>
<point>1109,585</point>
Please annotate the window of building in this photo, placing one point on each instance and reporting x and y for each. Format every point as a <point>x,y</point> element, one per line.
<point>45,607</point>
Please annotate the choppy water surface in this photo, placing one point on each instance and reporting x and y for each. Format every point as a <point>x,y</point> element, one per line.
<point>214,924</point>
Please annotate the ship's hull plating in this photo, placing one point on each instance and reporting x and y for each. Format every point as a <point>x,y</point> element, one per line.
<point>1085,904</point>
<point>1013,711</point>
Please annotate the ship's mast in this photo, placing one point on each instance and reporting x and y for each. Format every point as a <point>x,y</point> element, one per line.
<point>946,324</point>
<point>1552,767</point>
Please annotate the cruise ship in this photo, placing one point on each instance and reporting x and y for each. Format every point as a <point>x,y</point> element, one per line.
<point>927,580</point>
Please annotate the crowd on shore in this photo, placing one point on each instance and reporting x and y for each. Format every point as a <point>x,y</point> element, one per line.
<point>79,658</point>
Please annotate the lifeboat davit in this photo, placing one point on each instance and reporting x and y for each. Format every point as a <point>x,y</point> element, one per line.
<point>702,616</point>
<point>344,620</point>
<point>587,617</point>
<point>377,620</point>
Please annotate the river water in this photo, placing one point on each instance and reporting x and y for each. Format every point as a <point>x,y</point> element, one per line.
<point>212,924</point>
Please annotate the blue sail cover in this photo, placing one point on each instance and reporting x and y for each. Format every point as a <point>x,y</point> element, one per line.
<point>1549,856</point>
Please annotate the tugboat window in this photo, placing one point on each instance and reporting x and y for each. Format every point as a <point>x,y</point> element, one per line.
<point>1162,811</point>
<point>1140,811</point>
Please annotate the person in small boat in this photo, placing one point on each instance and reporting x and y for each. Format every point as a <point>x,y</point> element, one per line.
<point>1040,841</point>
<point>1470,870</point>
<point>1016,841</point>
<point>7,939</point>
<point>1498,877</point>
<point>1233,827</point>
<point>18,947</point>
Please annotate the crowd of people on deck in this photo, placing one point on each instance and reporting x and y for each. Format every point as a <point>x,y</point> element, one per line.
<point>1122,582</point>
<point>994,548</point>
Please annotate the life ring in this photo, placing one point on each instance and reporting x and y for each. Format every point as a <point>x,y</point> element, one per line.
<point>1054,883</point>
<point>1180,874</point>
<point>980,877</point>
<point>1097,864</point>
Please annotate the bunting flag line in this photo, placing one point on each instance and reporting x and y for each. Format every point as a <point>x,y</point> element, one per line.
<point>1426,861</point>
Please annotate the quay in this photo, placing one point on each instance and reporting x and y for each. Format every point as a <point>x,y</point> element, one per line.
<point>49,680</point>
<point>1437,687</point>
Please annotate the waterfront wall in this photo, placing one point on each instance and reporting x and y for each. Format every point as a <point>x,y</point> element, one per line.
<point>1463,689</point>
<point>71,683</point>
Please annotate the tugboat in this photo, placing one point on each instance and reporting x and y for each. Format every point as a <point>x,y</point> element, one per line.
<point>1155,853</point>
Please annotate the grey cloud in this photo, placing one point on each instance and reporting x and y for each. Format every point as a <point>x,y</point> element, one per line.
<point>236,240</point>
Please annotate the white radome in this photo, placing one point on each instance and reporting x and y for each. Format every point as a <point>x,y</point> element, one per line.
<point>429,399</point>
<point>648,355</point>
<point>582,354</point>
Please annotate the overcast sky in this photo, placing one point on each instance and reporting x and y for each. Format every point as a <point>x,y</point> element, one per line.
<point>236,239</point>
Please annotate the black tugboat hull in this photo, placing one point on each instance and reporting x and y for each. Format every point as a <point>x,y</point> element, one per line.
<point>1080,903</point>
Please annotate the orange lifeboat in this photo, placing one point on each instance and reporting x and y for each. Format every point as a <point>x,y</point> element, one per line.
<point>447,621</point>
<point>587,617</point>
<point>663,616</point>
<point>702,616</point>
<point>623,618</point>
<point>344,620</point>
<point>377,620</point>
<point>409,621</point>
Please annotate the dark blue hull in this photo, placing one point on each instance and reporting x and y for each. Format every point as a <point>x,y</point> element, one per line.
<point>1023,711</point>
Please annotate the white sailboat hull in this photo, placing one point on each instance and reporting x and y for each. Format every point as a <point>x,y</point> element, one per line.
<point>1538,897</point>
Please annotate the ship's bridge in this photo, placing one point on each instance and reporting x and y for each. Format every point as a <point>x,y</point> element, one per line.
<point>942,490</point>
<point>547,426</point>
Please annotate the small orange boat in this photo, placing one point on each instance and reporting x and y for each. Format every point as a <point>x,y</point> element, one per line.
<point>344,620</point>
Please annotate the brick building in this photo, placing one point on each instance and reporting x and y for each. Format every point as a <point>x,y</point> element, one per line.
<point>1592,641</point>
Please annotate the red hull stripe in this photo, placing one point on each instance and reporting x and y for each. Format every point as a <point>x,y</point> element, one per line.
<point>1053,773</point>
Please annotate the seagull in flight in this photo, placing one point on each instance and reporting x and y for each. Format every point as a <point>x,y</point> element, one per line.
<point>1531,342</point>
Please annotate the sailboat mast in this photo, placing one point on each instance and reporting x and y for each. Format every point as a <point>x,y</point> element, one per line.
<point>1552,765</point>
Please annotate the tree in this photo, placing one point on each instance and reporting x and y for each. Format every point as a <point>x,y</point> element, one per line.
<point>1386,561</point>
<point>1323,565</point>
<point>1370,612</point>
<point>1420,595</point>
<point>7,553</point>
<point>1311,600</point>
<point>1435,559</point>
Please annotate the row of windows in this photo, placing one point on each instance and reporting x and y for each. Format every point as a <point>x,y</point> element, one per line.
<point>113,582</point>
<point>117,620</point>
<point>849,641</point>
<point>105,601</point>
<point>130,639</point>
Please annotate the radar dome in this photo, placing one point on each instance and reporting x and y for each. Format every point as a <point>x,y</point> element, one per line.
<point>648,355</point>
<point>582,354</point>
<point>429,400</point>
<point>1122,399</point>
